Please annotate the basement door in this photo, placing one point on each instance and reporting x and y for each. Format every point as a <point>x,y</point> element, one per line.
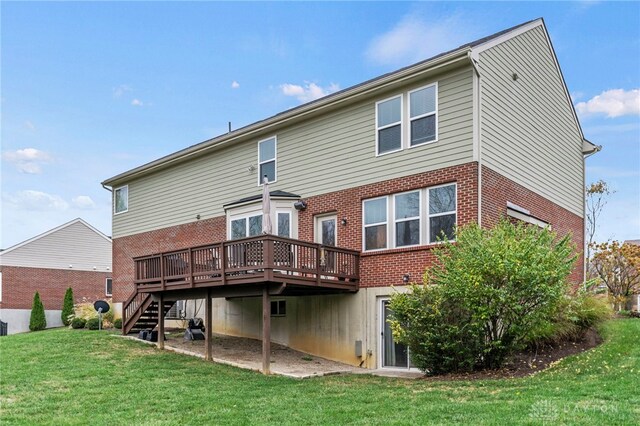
<point>393,354</point>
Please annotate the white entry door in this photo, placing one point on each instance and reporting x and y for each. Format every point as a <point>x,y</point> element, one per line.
<point>326,230</point>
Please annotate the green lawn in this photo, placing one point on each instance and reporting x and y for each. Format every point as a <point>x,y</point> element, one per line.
<point>87,377</point>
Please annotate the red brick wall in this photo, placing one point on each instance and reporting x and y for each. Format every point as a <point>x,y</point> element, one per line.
<point>497,190</point>
<point>387,267</point>
<point>20,284</point>
<point>167,239</point>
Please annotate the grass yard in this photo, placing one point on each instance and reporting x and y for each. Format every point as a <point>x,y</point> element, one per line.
<point>87,377</point>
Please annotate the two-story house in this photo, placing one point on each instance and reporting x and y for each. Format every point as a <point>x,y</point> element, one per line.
<point>363,182</point>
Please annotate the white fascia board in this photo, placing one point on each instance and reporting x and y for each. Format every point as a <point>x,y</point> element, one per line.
<point>527,218</point>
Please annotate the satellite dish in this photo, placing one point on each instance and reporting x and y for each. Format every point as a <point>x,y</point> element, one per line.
<point>101,306</point>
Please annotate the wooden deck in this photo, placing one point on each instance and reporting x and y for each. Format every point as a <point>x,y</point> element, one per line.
<point>254,260</point>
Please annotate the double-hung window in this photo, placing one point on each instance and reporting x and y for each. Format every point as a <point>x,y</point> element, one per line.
<point>248,226</point>
<point>375,224</point>
<point>284,224</point>
<point>422,216</point>
<point>389,125</point>
<point>121,199</point>
<point>407,120</point>
<point>422,115</point>
<point>267,160</point>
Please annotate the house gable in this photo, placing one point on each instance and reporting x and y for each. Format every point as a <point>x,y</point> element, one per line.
<point>76,245</point>
<point>528,128</point>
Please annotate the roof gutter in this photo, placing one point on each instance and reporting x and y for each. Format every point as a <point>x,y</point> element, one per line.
<point>314,107</point>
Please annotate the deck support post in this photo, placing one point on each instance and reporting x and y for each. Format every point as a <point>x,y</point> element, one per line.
<point>161,321</point>
<point>266,330</point>
<point>208,340</point>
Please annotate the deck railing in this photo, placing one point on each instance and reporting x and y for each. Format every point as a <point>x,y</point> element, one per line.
<point>263,257</point>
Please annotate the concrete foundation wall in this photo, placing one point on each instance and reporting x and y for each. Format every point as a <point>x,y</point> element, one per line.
<point>18,319</point>
<point>326,326</point>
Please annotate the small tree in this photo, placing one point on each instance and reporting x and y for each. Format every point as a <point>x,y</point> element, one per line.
<point>487,291</point>
<point>37,320</point>
<point>67,307</point>
<point>618,266</point>
<point>596,198</point>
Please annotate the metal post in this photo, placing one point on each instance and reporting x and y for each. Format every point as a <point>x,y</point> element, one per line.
<point>266,330</point>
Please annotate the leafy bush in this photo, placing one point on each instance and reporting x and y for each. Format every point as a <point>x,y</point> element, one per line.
<point>118,323</point>
<point>93,323</point>
<point>37,321</point>
<point>78,323</point>
<point>67,307</point>
<point>483,297</point>
<point>575,315</point>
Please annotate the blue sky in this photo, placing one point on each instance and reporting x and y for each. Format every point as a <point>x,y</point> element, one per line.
<point>89,90</point>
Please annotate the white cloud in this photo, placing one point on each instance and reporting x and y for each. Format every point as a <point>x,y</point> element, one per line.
<point>414,39</point>
<point>121,90</point>
<point>235,84</point>
<point>27,160</point>
<point>31,200</point>
<point>137,102</point>
<point>83,202</point>
<point>308,92</point>
<point>612,103</point>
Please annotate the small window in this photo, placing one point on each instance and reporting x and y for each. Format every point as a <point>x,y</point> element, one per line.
<point>284,224</point>
<point>246,227</point>
<point>278,308</point>
<point>375,224</point>
<point>407,219</point>
<point>267,160</point>
<point>422,115</point>
<point>442,213</point>
<point>389,125</point>
<point>121,199</point>
<point>108,287</point>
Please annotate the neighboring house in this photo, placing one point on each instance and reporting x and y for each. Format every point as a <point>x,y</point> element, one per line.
<point>363,181</point>
<point>72,255</point>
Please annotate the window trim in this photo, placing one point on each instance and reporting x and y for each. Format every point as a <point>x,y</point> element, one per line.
<point>275,160</point>
<point>425,223</point>
<point>364,225</point>
<point>378,128</point>
<point>106,286</point>
<point>419,217</point>
<point>278,303</point>
<point>411,119</point>
<point>115,203</point>
<point>239,217</point>
<point>287,212</point>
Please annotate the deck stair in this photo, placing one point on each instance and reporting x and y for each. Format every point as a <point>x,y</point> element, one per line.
<point>142,313</point>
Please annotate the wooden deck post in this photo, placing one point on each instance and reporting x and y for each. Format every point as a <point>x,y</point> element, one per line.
<point>161,321</point>
<point>266,330</point>
<point>208,340</point>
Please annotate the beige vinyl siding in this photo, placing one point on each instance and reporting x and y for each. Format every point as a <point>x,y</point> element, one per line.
<point>75,245</point>
<point>324,154</point>
<point>528,130</point>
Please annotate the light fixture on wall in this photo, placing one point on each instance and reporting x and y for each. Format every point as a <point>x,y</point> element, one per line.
<point>300,205</point>
<point>406,278</point>
<point>343,222</point>
<point>198,216</point>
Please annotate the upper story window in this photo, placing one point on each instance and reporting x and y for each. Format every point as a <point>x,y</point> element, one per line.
<point>247,226</point>
<point>121,199</point>
<point>422,216</point>
<point>267,159</point>
<point>407,120</point>
<point>389,124</point>
<point>422,115</point>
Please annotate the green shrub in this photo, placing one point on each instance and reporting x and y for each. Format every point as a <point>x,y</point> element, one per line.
<point>118,323</point>
<point>67,307</point>
<point>93,323</point>
<point>576,314</point>
<point>37,321</point>
<point>78,323</point>
<point>109,316</point>
<point>483,297</point>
